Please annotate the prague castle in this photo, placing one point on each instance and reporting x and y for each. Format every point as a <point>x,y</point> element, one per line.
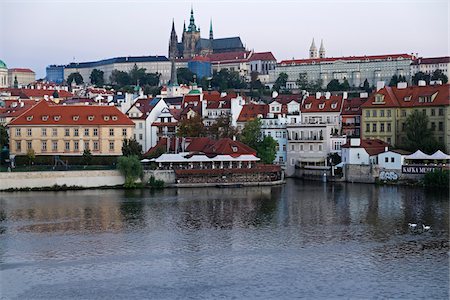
<point>192,44</point>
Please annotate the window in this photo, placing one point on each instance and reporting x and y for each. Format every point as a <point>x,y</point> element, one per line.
<point>311,147</point>
<point>29,145</point>
<point>374,127</point>
<point>86,145</point>
<point>403,126</point>
<point>284,147</point>
<point>441,126</point>
<point>86,132</point>
<point>367,113</point>
<point>320,147</point>
<point>43,146</point>
<point>374,113</point>
<point>382,113</point>
<point>29,132</point>
<point>111,145</point>
<point>124,132</point>
<point>382,127</point>
<point>441,111</point>
<point>19,146</point>
<point>66,132</point>
<point>95,145</point>
<point>424,111</point>
<point>67,145</point>
<point>433,126</point>
<point>44,131</point>
<point>18,132</point>
<point>392,159</point>
<point>389,140</point>
<point>386,159</point>
<point>140,136</point>
<point>389,113</point>
<point>301,147</point>
<point>111,132</point>
<point>95,133</point>
<point>140,125</point>
<point>54,131</point>
<point>403,113</point>
<point>292,148</point>
<point>75,132</point>
<point>367,127</point>
<point>54,145</point>
<point>90,118</point>
<point>76,145</point>
<point>433,112</point>
<point>388,127</point>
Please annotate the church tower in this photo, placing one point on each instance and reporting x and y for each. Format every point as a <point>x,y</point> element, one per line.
<point>313,50</point>
<point>190,37</point>
<point>321,50</point>
<point>173,48</point>
<point>211,36</point>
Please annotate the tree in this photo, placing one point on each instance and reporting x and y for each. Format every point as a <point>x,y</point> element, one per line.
<point>418,135</point>
<point>345,86</point>
<point>97,77</point>
<point>131,147</point>
<point>185,76</point>
<point>192,127</point>
<point>302,81</point>
<point>31,155</point>
<point>87,156</point>
<point>4,139</point>
<point>16,83</point>
<point>281,81</point>
<point>136,75</point>
<point>251,133</point>
<point>315,86</point>
<point>267,150</point>
<point>439,75</point>
<point>120,78</point>
<point>225,79</point>
<point>366,86</point>
<point>130,167</point>
<point>420,76</point>
<point>75,76</point>
<point>333,85</point>
<point>55,94</point>
<point>222,128</point>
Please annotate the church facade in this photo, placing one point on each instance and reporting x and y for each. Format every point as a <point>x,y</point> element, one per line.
<point>192,44</point>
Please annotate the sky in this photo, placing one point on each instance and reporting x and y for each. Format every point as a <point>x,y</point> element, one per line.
<point>37,33</point>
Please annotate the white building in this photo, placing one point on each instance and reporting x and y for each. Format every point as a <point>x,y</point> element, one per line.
<point>431,64</point>
<point>3,75</point>
<point>363,151</point>
<point>276,128</point>
<point>392,160</point>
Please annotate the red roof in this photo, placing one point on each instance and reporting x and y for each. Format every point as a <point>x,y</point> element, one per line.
<point>21,70</point>
<point>236,56</point>
<point>225,146</point>
<point>372,146</point>
<point>285,99</point>
<point>220,104</point>
<point>200,58</point>
<point>353,106</point>
<point>413,96</point>
<point>176,113</point>
<point>262,56</point>
<point>432,60</point>
<point>251,111</point>
<point>144,106</point>
<point>211,95</point>
<point>349,58</point>
<point>45,114</point>
<point>14,108</point>
<point>36,93</point>
<point>333,104</point>
<point>199,144</point>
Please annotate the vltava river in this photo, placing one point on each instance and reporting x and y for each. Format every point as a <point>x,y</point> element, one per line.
<point>301,240</point>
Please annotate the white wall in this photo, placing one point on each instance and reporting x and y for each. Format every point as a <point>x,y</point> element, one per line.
<point>395,165</point>
<point>355,156</point>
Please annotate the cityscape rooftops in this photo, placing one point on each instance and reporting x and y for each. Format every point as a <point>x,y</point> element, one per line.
<point>347,58</point>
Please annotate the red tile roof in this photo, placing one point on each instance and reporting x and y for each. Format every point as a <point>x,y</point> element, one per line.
<point>285,99</point>
<point>313,105</point>
<point>251,111</point>
<point>220,104</point>
<point>431,60</point>
<point>353,106</point>
<point>176,113</point>
<point>438,95</point>
<point>225,146</point>
<point>237,56</point>
<point>45,114</point>
<point>211,95</point>
<point>199,144</point>
<point>372,146</point>
<point>347,58</point>
<point>144,106</point>
<point>200,58</point>
<point>21,70</point>
<point>35,93</point>
<point>262,56</point>
<point>14,108</point>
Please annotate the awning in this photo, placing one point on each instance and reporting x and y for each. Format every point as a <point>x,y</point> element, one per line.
<point>418,155</point>
<point>439,155</point>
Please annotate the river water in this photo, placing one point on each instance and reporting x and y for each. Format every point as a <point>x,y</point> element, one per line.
<point>300,240</point>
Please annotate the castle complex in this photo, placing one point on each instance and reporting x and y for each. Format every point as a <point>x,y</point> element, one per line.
<point>192,44</point>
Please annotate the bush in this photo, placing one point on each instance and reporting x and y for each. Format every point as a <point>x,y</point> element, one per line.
<point>130,167</point>
<point>155,183</point>
<point>437,179</point>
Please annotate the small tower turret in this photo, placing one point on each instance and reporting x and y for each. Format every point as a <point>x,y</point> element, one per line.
<point>321,50</point>
<point>313,50</point>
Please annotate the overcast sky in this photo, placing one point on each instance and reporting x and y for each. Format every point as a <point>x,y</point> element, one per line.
<point>34,34</point>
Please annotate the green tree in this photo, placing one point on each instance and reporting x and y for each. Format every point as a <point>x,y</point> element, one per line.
<point>224,80</point>
<point>120,78</point>
<point>75,76</point>
<point>315,86</point>
<point>4,138</point>
<point>251,133</point>
<point>151,79</point>
<point>55,94</point>
<point>192,127</point>
<point>345,86</point>
<point>302,81</point>
<point>333,85</point>
<point>439,75</point>
<point>366,86</point>
<point>418,135</point>
<point>281,81</point>
<point>222,128</point>
<point>438,179</point>
<point>31,155</point>
<point>420,76</point>
<point>136,75</point>
<point>267,150</point>
<point>97,77</point>
<point>185,76</point>
<point>130,167</point>
<point>87,156</point>
<point>394,81</point>
<point>131,147</point>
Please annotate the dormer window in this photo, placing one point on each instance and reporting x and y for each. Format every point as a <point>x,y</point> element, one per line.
<point>29,118</point>
<point>106,118</point>
<point>407,98</point>
<point>44,118</point>
<point>75,118</point>
<point>333,106</point>
<point>321,105</point>
<point>379,98</point>
<point>91,118</point>
<point>114,118</point>
<point>234,148</point>
<point>56,118</point>
<point>308,106</point>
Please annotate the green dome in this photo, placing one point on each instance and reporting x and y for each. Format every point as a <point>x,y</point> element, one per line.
<point>3,65</point>
<point>194,92</point>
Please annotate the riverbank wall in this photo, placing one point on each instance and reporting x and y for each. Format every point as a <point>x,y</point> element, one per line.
<point>83,179</point>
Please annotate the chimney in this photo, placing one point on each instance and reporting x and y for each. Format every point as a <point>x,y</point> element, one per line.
<point>402,85</point>
<point>355,142</point>
<point>344,95</point>
<point>318,95</point>
<point>422,83</point>
<point>327,95</point>
<point>363,95</point>
<point>380,85</point>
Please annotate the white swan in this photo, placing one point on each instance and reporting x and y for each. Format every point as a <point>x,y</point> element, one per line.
<point>425,227</point>
<point>412,225</point>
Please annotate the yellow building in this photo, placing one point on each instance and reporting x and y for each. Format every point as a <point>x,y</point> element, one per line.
<point>51,129</point>
<point>385,112</point>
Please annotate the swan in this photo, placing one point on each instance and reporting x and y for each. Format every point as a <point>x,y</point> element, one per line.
<point>412,225</point>
<point>425,227</point>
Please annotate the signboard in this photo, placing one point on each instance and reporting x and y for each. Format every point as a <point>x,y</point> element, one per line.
<point>419,169</point>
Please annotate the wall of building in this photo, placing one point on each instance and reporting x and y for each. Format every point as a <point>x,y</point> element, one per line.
<point>168,176</point>
<point>360,173</point>
<point>86,179</point>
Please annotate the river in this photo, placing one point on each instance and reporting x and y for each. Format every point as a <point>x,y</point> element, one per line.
<point>301,240</point>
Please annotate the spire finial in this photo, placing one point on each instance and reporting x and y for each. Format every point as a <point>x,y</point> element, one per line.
<point>211,36</point>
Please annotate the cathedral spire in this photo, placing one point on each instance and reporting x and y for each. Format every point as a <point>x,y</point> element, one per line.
<point>173,74</point>
<point>321,50</point>
<point>192,26</point>
<point>313,50</point>
<point>211,36</point>
<point>184,26</point>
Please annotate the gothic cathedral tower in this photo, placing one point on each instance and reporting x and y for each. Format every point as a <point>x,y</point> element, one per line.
<point>313,50</point>
<point>173,43</point>
<point>190,38</point>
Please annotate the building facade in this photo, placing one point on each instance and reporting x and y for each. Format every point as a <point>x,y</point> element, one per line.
<point>20,76</point>
<point>55,73</point>
<point>431,64</point>
<point>50,129</point>
<point>3,75</point>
